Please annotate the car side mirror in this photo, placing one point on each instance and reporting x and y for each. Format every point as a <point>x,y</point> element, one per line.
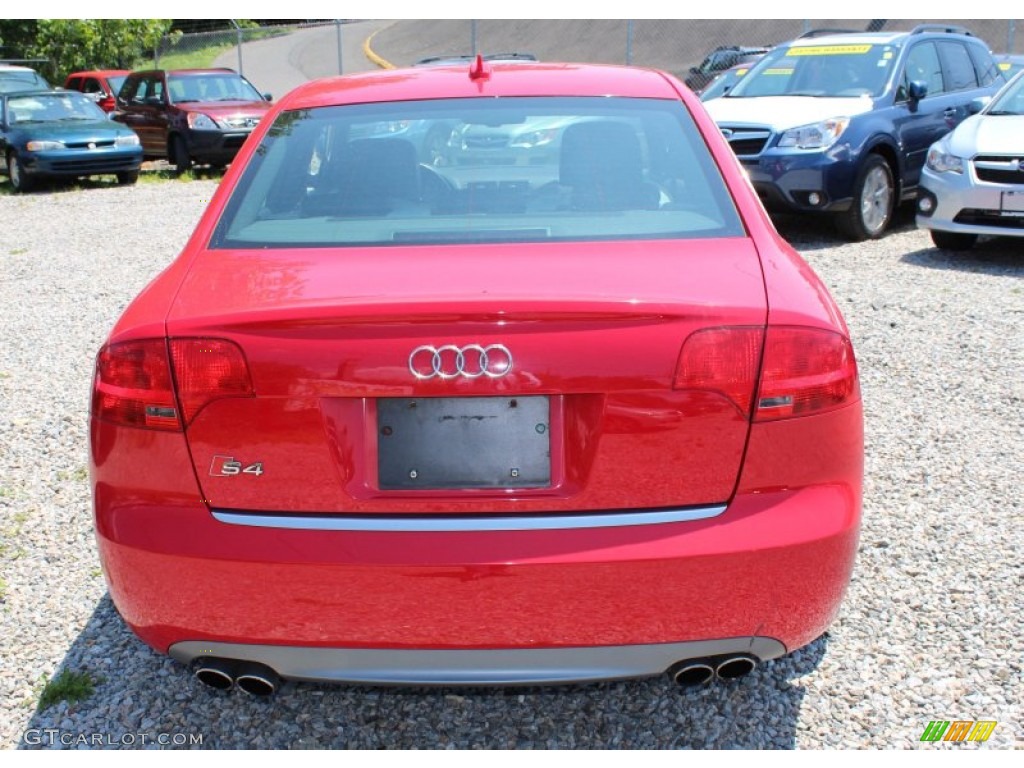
<point>694,70</point>
<point>268,97</point>
<point>918,90</point>
<point>978,104</point>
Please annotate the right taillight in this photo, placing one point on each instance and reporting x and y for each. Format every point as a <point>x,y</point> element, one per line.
<point>804,371</point>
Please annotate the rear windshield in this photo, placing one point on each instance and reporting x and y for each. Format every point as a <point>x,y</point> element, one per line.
<point>857,69</point>
<point>479,170</point>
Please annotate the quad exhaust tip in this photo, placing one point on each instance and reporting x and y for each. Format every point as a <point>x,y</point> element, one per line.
<point>693,674</point>
<point>699,672</point>
<point>250,677</point>
<point>735,667</point>
<point>216,673</point>
<point>257,679</point>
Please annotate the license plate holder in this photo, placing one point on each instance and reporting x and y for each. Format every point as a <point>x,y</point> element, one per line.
<point>1011,203</point>
<point>471,443</point>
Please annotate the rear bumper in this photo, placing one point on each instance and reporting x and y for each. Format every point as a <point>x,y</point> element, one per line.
<point>772,565</point>
<point>763,577</point>
<point>475,667</point>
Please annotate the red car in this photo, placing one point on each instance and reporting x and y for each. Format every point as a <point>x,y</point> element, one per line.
<point>584,418</point>
<point>191,116</point>
<point>100,84</point>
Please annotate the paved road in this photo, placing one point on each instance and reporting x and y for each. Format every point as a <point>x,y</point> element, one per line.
<point>279,64</point>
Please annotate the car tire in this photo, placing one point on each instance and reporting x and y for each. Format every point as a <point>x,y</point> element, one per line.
<point>953,241</point>
<point>127,178</point>
<point>874,200</point>
<point>180,158</point>
<point>19,179</point>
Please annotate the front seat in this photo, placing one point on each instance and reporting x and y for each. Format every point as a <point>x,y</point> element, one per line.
<point>602,164</point>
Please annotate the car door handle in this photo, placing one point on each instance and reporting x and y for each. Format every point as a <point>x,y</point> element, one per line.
<point>951,112</point>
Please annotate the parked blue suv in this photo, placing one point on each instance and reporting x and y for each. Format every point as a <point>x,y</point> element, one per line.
<point>841,123</point>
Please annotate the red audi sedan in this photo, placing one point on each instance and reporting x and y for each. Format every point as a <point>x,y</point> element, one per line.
<point>581,416</point>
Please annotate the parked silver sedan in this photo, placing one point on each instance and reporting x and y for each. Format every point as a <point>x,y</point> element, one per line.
<point>973,181</point>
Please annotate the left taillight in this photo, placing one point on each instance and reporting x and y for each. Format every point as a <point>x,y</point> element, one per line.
<point>133,386</point>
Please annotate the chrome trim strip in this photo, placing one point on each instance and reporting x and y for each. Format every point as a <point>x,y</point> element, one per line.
<point>504,666</point>
<point>449,524</point>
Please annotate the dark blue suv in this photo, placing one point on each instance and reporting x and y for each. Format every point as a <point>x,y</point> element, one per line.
<point>841,123</point>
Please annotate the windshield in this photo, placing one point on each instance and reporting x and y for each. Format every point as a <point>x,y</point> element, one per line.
<point>12,81</point>
<point>58,106</point>
<point>721,84</point>
<point>820,70</point>
<point>115,83</point>
<point>1009,101</point>
<point>479,170</point>
<point>211,87</point>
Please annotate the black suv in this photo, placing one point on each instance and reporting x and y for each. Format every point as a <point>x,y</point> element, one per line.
<point>190,115</point>
<point>842,123</point>
<point>722,58</point>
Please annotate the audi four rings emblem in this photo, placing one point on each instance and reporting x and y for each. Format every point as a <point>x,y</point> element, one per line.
<point>471,361</point>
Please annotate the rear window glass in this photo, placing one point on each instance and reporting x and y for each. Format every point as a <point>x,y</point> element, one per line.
<point>479,170</point>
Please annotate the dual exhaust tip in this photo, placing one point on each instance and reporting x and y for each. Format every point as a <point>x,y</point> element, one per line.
<point>224,674</point>
<point>698,672</point>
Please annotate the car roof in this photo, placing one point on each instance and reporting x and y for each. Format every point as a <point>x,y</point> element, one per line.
<point>198,71</point>
<point>16,68</point>
<point>41,92</point>
<point>877,38</point>
<point>100,72</point>
<point>504,79</point>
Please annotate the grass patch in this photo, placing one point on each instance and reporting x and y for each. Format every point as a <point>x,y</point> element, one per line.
<point>17,251</point>
<point>200,58</point>
<point>12,532</point>
<point>3,589</point>
<point>67,686</point>
<point>80,474</point>
<point>194,55</point>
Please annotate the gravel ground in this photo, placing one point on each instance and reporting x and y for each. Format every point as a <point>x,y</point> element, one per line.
<point>931,627</point>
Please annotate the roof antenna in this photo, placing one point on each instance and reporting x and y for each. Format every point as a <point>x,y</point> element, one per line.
<point>477,70</point>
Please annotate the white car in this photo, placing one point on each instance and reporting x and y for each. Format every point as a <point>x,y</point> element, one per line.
<point>973,180</point>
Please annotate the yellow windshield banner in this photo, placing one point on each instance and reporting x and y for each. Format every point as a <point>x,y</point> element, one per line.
<point>778,71</point>
<point>828,50</point>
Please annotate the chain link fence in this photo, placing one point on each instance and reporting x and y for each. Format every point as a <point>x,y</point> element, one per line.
<point>202,49</point>
<point>674,45</point>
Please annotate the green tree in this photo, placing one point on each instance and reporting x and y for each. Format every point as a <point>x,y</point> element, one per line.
<point>16,37</point>
<point>74,44</point>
